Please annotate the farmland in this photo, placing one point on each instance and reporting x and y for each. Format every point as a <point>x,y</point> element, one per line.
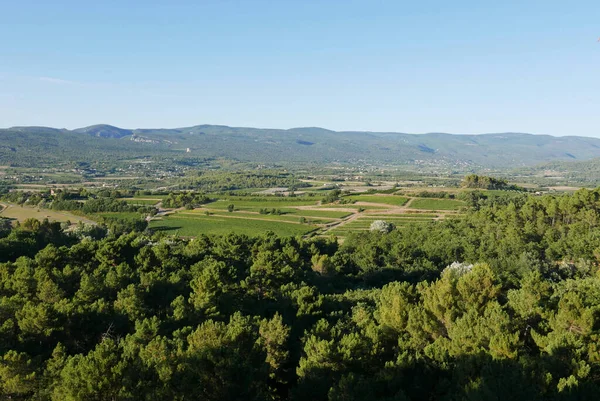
<point>188,213</point>
<point>303,215</point>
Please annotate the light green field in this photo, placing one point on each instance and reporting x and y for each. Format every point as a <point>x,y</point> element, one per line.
<point>196,225</point>
<point>436,204</point>
<point>22,213</point>
<point>393,200</point>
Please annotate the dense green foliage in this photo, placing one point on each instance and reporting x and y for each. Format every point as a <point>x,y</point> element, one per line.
<point>217,181</point>
<point>485,182</point>
<point>332,196</point>
<point>502,303</point>
<point>185,199</point>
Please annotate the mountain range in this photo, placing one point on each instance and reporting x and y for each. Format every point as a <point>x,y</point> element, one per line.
<point>26,145</point>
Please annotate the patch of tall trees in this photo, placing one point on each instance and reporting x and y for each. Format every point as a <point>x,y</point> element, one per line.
<point>486,182</point>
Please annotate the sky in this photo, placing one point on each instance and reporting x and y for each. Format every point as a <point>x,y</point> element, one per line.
<point>402,66</point>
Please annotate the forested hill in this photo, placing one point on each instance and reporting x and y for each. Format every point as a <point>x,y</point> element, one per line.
<point>22,146</point>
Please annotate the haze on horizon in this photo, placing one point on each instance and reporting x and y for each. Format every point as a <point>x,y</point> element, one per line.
<point>462,67</point>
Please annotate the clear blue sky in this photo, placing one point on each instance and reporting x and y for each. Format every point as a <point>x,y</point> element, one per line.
<point>407,66</point>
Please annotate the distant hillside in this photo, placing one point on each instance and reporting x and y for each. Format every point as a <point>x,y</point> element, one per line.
<point>104,131</point>
<point>586,172</point>
<point>298,145</point>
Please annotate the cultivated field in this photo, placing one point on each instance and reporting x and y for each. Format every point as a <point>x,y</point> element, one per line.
<point>303,215</point>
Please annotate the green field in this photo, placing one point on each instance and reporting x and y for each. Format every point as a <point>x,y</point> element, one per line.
<point>195,225</point>
<point>393,200</point>
<point>436,204</point>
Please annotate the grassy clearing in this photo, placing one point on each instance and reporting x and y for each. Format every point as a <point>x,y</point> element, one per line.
<point>436,204</point>
<point>22,213</point>
<point>393,200</point>
<point>193,226</point>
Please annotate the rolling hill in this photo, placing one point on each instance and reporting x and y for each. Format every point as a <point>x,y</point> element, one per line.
<point>28,146</point>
